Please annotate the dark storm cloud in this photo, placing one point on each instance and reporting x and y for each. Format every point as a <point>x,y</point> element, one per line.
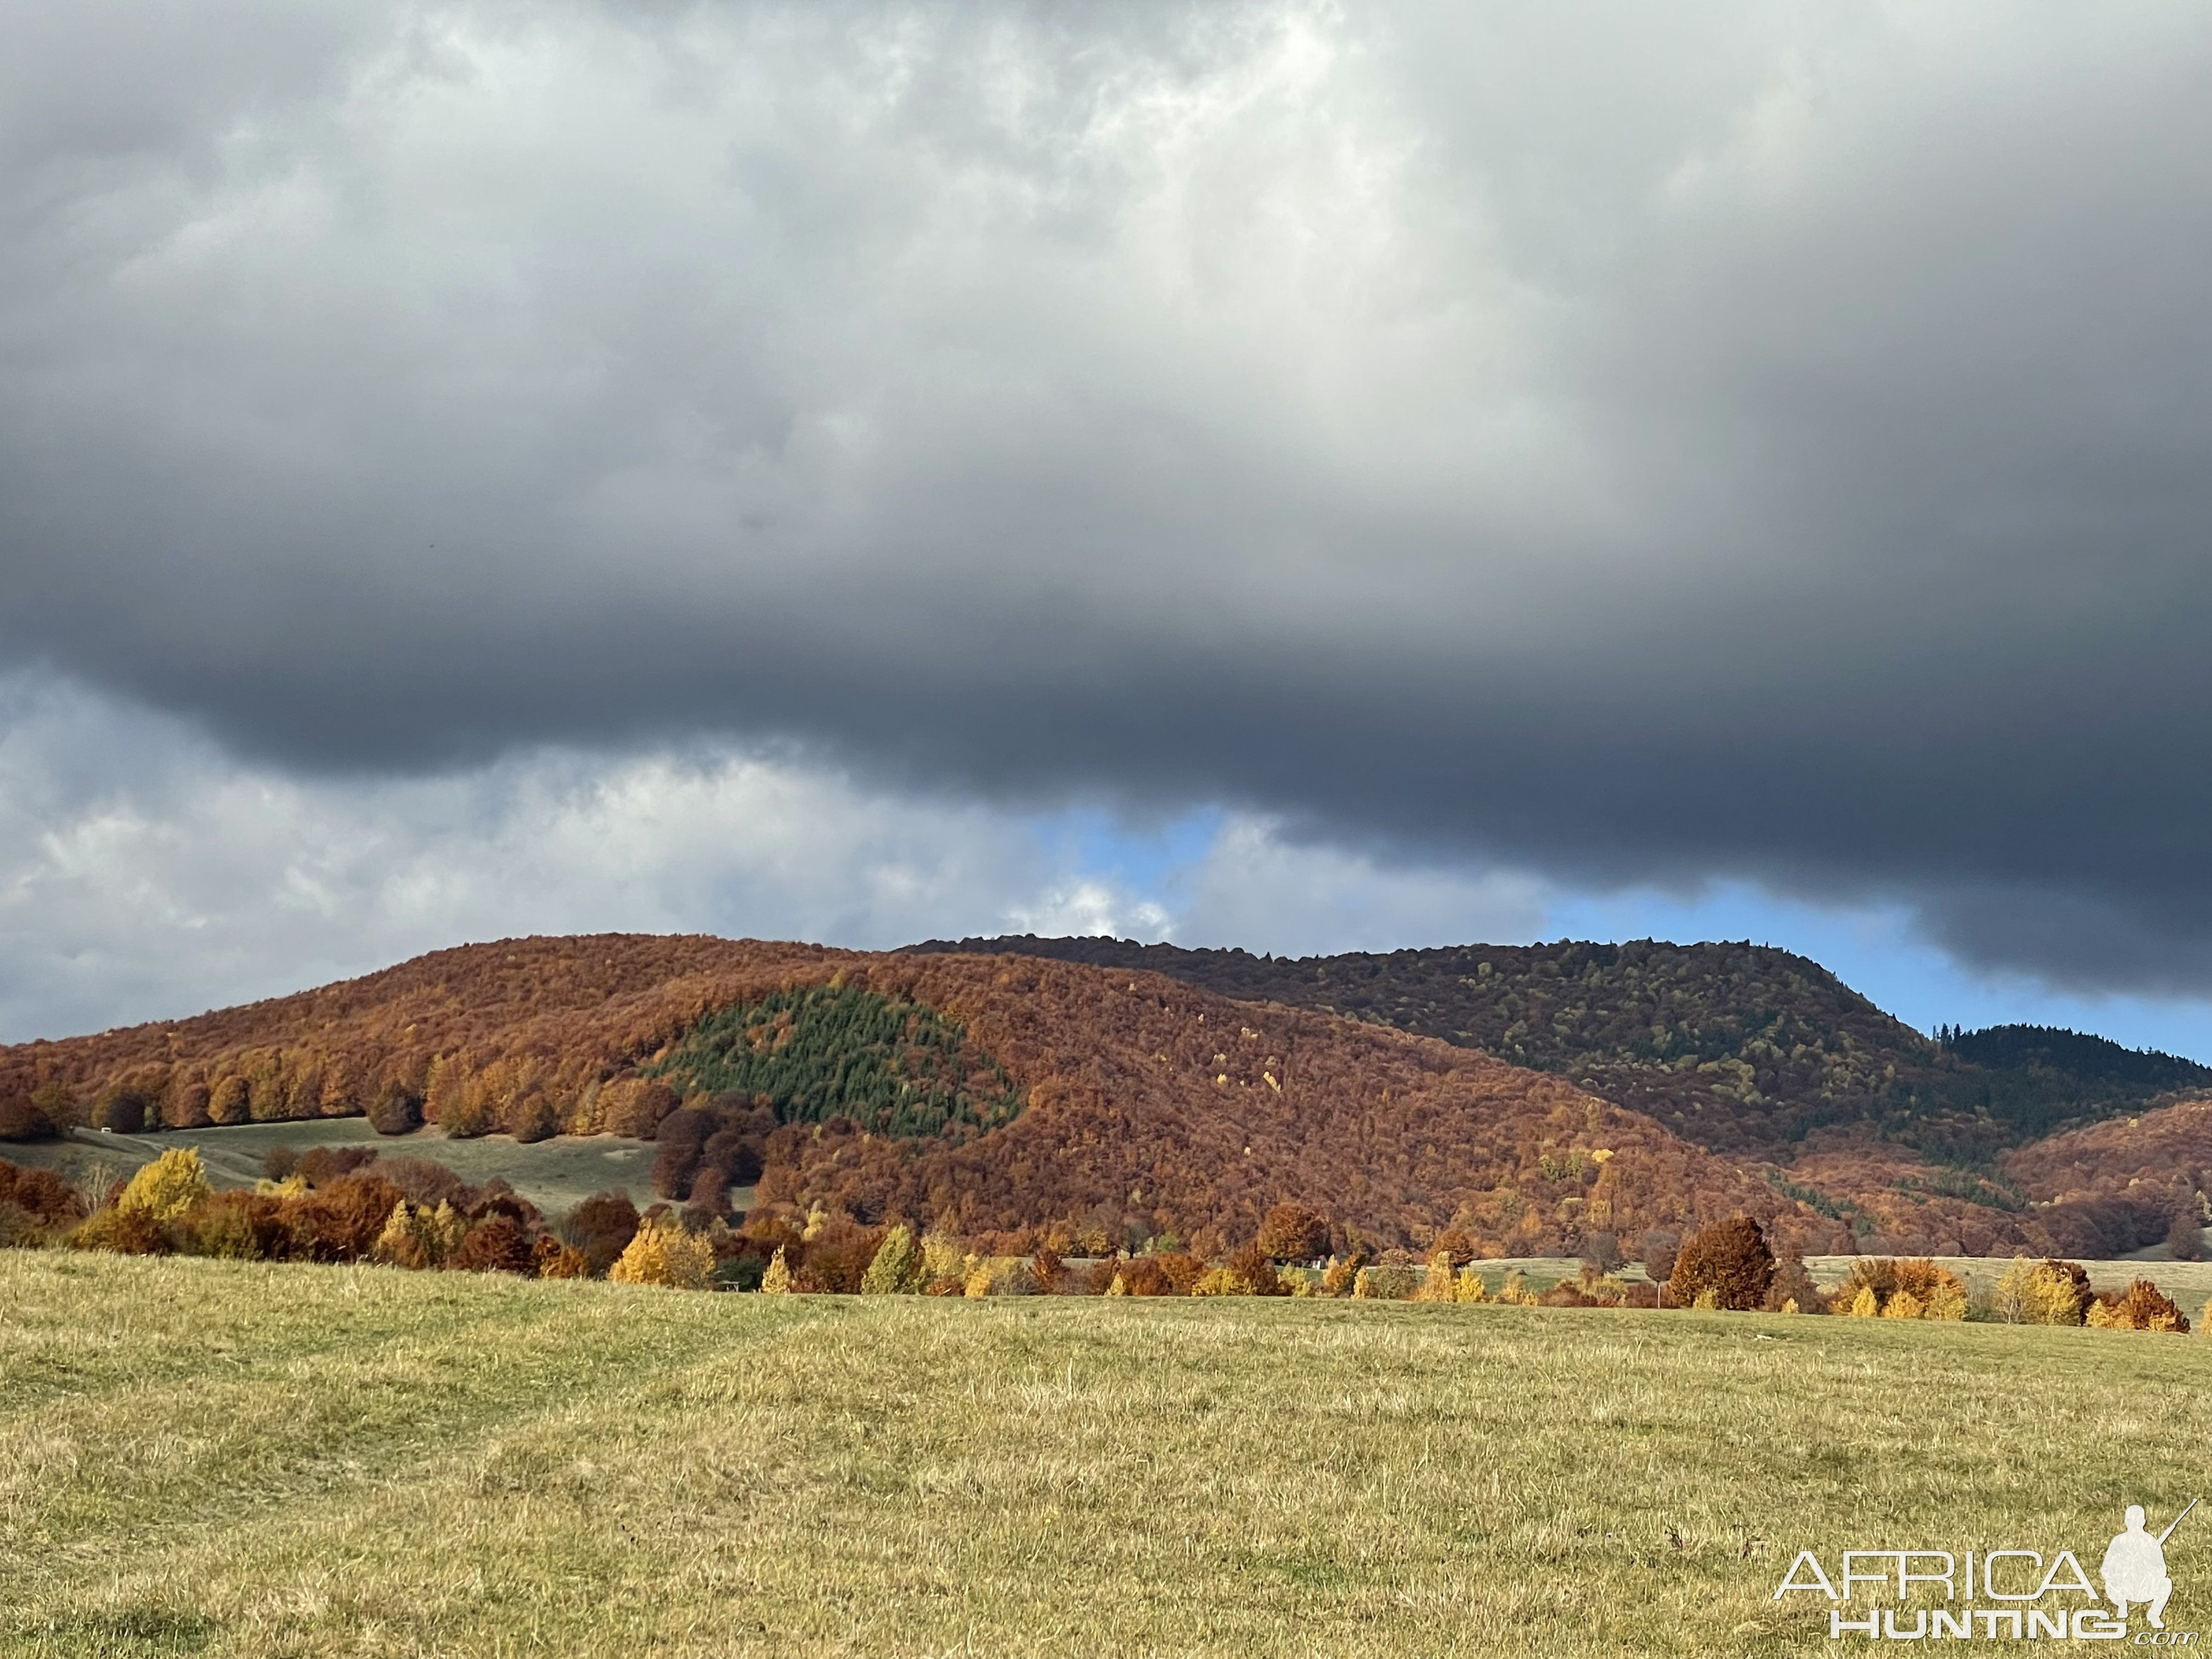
<point>1776,451</point>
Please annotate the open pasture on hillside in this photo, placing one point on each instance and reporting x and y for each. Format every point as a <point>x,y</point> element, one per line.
<point>240,1458</point>
<point>556,1174</point>
<point>2189,1283</point>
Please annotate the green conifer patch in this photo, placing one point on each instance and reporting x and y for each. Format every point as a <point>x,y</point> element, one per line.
<point>816,1052</point>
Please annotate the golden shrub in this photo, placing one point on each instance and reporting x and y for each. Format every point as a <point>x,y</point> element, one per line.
<point>1903,1304</point>
<point>167,1187</point>
<point>1248,1273</point>
<point>1936,1292</point>
<point>441,1231</point>
<point>1947,1300</point>
<point>124,1232</point>
<point>944,1259</point>
<point>554,1259</point>
<point>1599,1289</point>
<point>1439,1283</point>
<point>1470,1286</point>
<point>666,1256</point>
<point>1865,1304</point>
<point>2141,1307</point>
<point>414,1235</point>
<point>399,1245</point>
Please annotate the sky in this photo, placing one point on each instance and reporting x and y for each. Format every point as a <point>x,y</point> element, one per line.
<point>1304,477</point>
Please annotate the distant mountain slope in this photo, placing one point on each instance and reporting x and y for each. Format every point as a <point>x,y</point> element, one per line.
<point>2037,1079</point>
<point>2089,1063</point>
<point>2170,1146</point>
<point>984,1094</point>
<point>1742,1049</point>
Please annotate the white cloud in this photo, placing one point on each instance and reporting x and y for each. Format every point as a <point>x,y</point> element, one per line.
<point>1093,906</point>
<point>144,873</point>
<point>1253,888</point>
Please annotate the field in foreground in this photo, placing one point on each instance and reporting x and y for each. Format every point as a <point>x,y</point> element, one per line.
<point>199,1456</point>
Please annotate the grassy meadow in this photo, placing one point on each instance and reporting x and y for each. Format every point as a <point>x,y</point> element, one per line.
<point>239,1459</point>
<point>556,1174</point>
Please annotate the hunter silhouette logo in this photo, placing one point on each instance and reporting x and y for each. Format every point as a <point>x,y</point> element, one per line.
<point>2028,1596</point>
<point>2133,1569</point>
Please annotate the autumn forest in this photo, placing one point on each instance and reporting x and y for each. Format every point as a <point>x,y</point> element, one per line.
<point>1020,1099</point>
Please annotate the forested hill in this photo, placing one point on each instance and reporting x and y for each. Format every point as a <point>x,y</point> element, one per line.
<point>984,1096</point>
<point>994,1096</point>
<point>1740,1048</point>
<point>2045,1048</point>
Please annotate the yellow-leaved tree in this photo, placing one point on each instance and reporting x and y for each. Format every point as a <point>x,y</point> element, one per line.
<point>776,1281</point>
<point>944,1260</point>
<point>896,1269</point>
<point>1947,1299</point>
<point>2042,1293</point>
<point>167,1187</point>
<point>666,1256</point>
<point>1438,1285</point>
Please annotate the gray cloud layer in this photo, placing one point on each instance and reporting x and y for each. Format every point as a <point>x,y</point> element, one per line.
<point>1772,448</point>
<point>144,873</point>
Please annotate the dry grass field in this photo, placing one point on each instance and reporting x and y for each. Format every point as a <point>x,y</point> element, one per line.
<point>226,1458</point>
